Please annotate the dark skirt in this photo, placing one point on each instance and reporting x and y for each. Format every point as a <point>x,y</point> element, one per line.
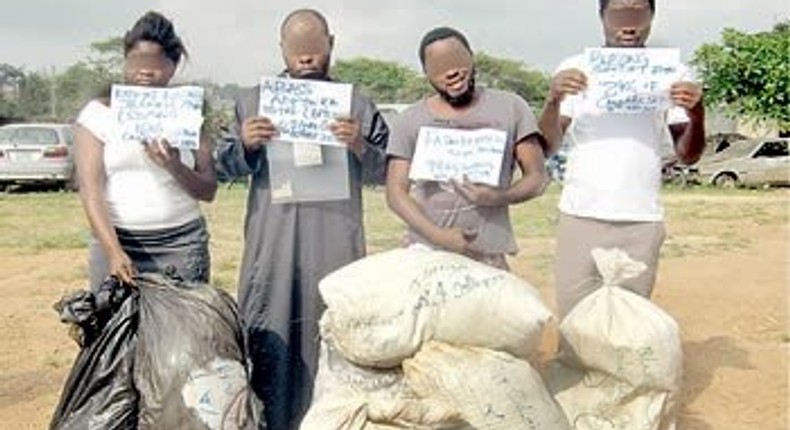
<point>180,252</point>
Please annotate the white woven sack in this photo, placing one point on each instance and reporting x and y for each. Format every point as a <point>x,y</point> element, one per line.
<point>620,333</point>
<point>492,390</point>
<point>596,401</point>
<point>382,308</point>
<point>351,397</point>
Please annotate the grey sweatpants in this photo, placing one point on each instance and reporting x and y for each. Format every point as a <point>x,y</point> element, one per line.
<point>575,273</point>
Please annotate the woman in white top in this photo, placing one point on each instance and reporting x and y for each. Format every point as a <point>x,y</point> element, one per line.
<point>141,198</point>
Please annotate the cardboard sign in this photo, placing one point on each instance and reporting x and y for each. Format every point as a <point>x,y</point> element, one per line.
<point>631,81</point>
<point>443,154</point>
<point>302,109</point>
<point>147,113</point>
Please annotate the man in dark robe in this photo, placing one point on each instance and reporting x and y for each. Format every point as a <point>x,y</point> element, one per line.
<point>290,247</point>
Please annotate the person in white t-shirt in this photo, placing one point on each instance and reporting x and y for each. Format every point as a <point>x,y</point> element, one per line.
<point>613,175</point>
<point>141,198</point>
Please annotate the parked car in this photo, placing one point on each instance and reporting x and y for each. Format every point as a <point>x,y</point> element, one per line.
<point>751,163</point>
<point>38,153</point>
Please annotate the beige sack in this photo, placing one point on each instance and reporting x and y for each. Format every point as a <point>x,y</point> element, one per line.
<point>492,390</point>
<point>596,401</point>
<point>383,307</point>
<point>351,397</point>
<point>620,333</point>
<point>626,353</point>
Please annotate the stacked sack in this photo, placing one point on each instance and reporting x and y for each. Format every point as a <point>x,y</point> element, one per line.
<point>621,363</point>
<point>429,339</point>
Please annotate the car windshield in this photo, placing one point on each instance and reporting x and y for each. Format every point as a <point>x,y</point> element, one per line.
<point>35,136</point>
<point>5,134</point>
<point>738,149</point>
<point>772,149</point>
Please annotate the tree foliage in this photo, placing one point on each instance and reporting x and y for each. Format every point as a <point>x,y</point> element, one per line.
<point>23,94</point>
<point>390,82</point>
<point>514,76</point>
<point>59,97</point>
<point>383,81</point>
<point>749,74</point>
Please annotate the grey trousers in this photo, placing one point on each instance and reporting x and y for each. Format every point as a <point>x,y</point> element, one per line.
<point>575,273</point>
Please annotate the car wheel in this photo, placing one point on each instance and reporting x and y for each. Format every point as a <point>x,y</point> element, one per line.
<point>725,180</point>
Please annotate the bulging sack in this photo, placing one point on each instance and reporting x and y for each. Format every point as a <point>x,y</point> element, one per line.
<point>352,397</point>
<point>382,308</point>
<point>99,392</point>
<point>623,334</point>
<point>189,363</point>
<point>491,390</point>
<point>596,401</point>
<point>621,364</point>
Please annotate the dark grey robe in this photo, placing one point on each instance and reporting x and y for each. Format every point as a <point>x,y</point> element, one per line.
<point>288,249</point>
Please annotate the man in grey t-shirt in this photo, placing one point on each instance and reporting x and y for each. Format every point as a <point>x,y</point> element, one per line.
<point>459,216</point>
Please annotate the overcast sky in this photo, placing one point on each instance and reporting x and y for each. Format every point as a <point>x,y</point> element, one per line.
<point>236,40</point>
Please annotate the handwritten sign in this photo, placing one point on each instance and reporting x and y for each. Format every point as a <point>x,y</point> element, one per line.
<point>145,113</point>
<point>443,154</point>
<point>303,109</point>
<point>631,81</point>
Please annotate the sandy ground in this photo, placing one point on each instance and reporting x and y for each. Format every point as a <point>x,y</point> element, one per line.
<point>731,305</point>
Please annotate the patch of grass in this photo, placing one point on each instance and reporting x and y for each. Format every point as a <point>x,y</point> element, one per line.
<point>383,229</point>
<point>34,222</point>
<point>700,221</point>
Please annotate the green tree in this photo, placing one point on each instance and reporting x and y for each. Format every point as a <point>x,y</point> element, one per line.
<point>391,82</point>
<point>511,75</point>
<point>383,81</point>
<point>24,95</point>
<point>90,78</point>
<point>749,74</point>
<point>77,85</point>
<point>106,58</point>
<point>10,80</point>
<point>35,96</point>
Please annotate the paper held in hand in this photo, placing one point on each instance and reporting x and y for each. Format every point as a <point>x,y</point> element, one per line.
<point>302,109</point>
<point>146,113</point>
<point>443,154</point>
<point>631,80</point>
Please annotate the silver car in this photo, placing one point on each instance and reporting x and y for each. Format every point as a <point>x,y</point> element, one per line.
<point>38,153</point>
<point>751,163</point>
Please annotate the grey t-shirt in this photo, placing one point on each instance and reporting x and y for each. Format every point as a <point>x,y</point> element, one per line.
<point>494,109</point>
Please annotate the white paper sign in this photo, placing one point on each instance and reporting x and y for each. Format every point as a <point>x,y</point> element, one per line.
<point>631,81</point>
<point>443,154</point>
<point>146,113</point>
<point>302,109</point>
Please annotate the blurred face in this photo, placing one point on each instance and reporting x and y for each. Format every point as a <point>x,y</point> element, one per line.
<point>146,64</point>
<point>626,23</point>
<point>449,67</point>
<point>306,49</point>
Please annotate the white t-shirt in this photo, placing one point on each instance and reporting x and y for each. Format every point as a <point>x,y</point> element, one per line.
<point>140,194</point>
<point>613,171</point>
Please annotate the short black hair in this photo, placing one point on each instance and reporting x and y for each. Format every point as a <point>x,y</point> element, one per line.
<point>154,27</point>
<point>603,4</point>
<point>441,33</point>
<point>310,12</point>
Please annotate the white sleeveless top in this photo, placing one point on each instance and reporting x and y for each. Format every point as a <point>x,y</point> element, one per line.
<point>140,194</point>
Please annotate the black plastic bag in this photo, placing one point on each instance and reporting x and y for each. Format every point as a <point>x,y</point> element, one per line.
<point>190,365</point>
<point>99,392</point>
